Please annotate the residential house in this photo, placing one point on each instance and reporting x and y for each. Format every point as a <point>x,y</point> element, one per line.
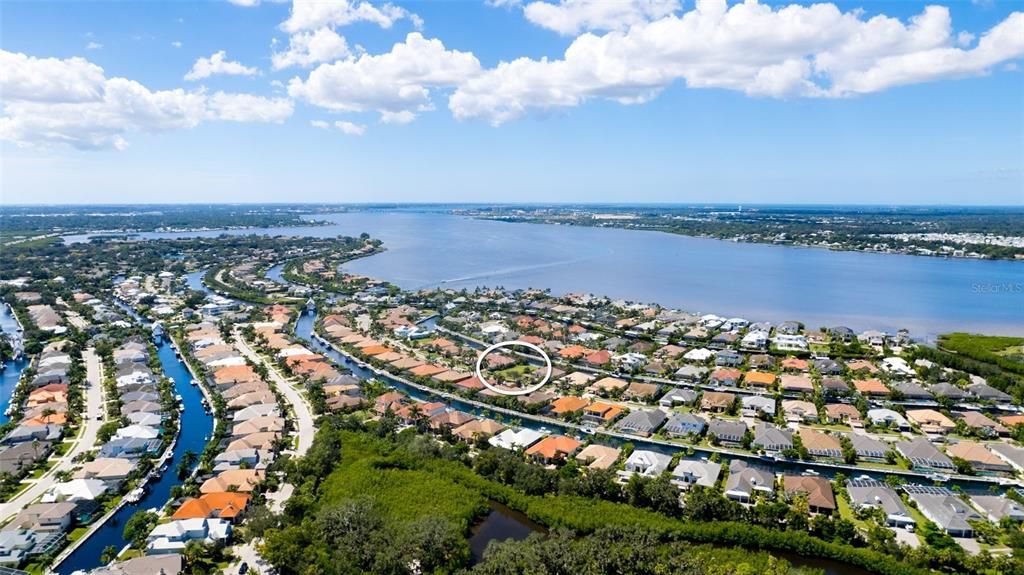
<point>979,457</point>
<point>931,421</point>
<point>553,448</point>
<point>771,438</point>
<point>757,406</point>
<point>874,494</point>
<point>942,507</point>
<point>818,490</point>
<point>727,432</point>
<point>924,456</point>
<point>642,422</point>
<point>717,401</point>
<point>796,410</point>
<point>597,456</point>
<point>172,537</point>
<point>998,507</point>
<point>681,424</point>
<point>647,463</point>
<point>821,444</point>
<point>689,472</point>
<point>746,481</point>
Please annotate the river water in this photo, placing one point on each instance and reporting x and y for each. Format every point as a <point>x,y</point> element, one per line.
<point>760,282</point>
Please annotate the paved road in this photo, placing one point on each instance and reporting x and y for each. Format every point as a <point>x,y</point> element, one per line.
<point>300,407</point>
<point>86,440</point>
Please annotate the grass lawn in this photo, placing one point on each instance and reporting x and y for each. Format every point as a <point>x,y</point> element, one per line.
<point>847,513</point>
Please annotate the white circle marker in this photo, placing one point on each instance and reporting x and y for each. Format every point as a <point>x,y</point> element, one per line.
<point>495,389</point>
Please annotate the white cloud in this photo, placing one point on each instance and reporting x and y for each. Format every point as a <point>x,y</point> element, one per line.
<point>570,17</point>
<point>54,101</point>
<point>399,118</point>
<point>350,128</point>
<point>308,48</point>
<point>786,51</point>
<point>245,3</point>
<point>24,77</point>
<point>314,14</point>
<point>93,46</point>
<point>249,108</point>
<point>218,64</point>
<point>176,44</point>
<point>398,81</point>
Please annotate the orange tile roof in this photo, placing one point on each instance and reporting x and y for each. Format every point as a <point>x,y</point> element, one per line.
<point>235,374</point>
<point>871,386</point>
<point>218,504</point>
<point>572,351</point>
<point>375,350</point>
<point>427,370</point>
<point>568,404</point>
<point>759,378</point>
<point>554,446</point>
<point>795,363</point>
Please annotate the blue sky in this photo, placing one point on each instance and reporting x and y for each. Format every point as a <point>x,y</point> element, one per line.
<point>656,101</point>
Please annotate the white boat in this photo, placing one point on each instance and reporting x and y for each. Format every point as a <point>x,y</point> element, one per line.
<point>135,495</point>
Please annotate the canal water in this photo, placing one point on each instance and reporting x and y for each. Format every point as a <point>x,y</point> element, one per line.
<point>926,295</point>
<point>501,523</point>
<point>10,372</point>
<point>196,427</point>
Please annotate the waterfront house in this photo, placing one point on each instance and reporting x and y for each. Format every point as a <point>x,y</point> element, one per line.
<point>638,391</point>
<point>1010,454</point>
<point>820,444</point>
<point>111,470</point>
<point>727,432</point>
<point>771,438</point>
<point>986,392</point>
<point>873,494</point>
<point>478,429</point>
<point>946,390</point>
<point>601,413</point>
<point>818,490</point>
<point>75,490</point>
<point>220,505</point>
<point>942,507</point>
<point>689,472</point>
<point>647,463</point>
<point>170,564</point>
<point>45,518</point>
<point>871,387</point>
<point>910,390</point>
<point>924,456</point>
<point>513,439</point>
<point>642,422</point>
<point>998,507</point>
<point>868,448</point>
<point>597,456</point>
<point>129,447</point>
<point>553,448</point>
<point>979,457</point>
<point>681,424</point>
<point>745,481</point>
<point>172,537</point>
<point>233,480</point>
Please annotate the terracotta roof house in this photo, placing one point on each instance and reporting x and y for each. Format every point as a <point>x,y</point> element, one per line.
<point>233,374</point>
<point>717,401</point>
<point>572,352</point>
<point>930,421</point>
<point>799,410</point>
<point>795,364</point>
<point>567,404</point>
<point>478,428</point>
<point>406,363</point>
<point>983,424</point>
<point>241,480</point>
<point>798,383</point>
<point>759,379</point>
<point>821,444</point>
<point>871,387</point>
<point>842,413</point>
<point>818,490</point>
<point>553,448</point>
<point>641,391</point>
<point>598,358</point>
<point>726,376</point>
<point>597,456</point>
<point>216,505</point>
<point>608,384</point>
<point>450,420</point>
<point>600,412</point>
<point>427,369</point>
<point>344,402</point>
<point>862,365</point>
<point>977,454</point>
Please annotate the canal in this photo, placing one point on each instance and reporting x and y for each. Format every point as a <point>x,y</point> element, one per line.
<point>196,426</point>
<point>10,371</point>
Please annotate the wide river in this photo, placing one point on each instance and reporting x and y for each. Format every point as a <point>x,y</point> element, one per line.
<point>759,282</point>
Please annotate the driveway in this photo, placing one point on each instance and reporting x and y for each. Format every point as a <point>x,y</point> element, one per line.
<point>86,440</point>
<point>300,407</point>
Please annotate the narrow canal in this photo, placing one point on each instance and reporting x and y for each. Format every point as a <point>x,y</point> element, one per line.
<point>196,427</point>
<point>10,371</point>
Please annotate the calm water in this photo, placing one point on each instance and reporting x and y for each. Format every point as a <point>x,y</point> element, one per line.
<point>11,370</point>
<point>759,282</point>
<point>196,427</point>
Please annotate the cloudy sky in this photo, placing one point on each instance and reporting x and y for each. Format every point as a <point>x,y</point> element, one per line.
<point>513,100</point>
